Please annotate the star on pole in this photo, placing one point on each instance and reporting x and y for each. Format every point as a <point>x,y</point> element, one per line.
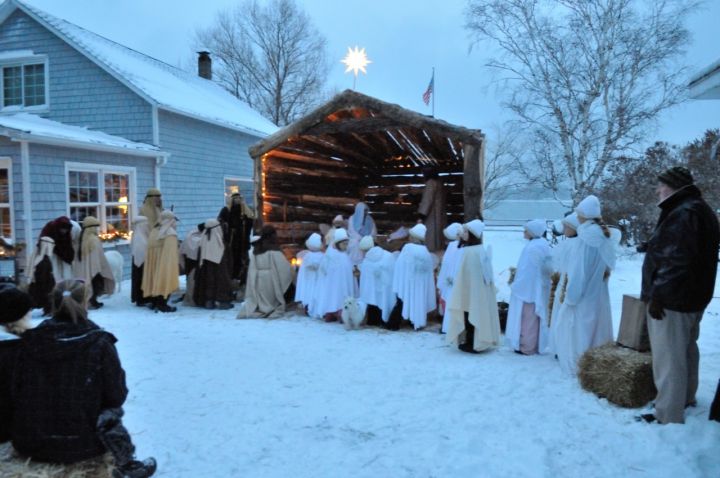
<point>356,60</point>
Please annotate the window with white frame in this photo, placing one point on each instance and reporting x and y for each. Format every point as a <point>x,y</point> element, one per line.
<point>24,83</point>
<point>5,200</point>
<point>105,192</point>
<point>242,185</point>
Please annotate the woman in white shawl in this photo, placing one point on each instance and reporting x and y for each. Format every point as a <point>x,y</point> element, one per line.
<point>376,280</point>
<point>308,276</point>
<point>474,321</point>
<point>562,255</point>
<point>585,314</point>
<point>414,281</point>
<point>138,247</point>
<point>448,270</point>
<point>336,282</point>
<point>359,226</point>
<point>527,327</point>
<point>92,265</point>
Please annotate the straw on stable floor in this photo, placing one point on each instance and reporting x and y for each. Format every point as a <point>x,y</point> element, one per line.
<point>622,375</point>
<point>12,465</point>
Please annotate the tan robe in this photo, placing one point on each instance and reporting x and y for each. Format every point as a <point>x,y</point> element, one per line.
<point>93,263</point>
<point>269,277</point>
<point>433,207</point>
<point>161,271</point>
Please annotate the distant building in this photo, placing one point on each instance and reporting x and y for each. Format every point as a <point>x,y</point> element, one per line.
<point>88,125</point>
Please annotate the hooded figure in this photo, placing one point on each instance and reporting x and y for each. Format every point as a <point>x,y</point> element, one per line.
<point>160,274</point>
<point>42,279</point>
<point>152,206</point>
<point>584,315</point>
<point>270,278</point>
<point>237,219</point>
<point>432,209</point>
<point>309,275</point>
<point>359,226</point>
<point>448,270</point>
<point>474,323</point>
<point>212,277</point>
<point>16,306</point>
<point>61,230</point>
<point>376,280</point>
<point>338,222</point>
<point>336,282</point>
<point>189,252</point>
<point>527,323</point>
<point>92,265</point>
<point>138,248</point>
<point>414,282</point>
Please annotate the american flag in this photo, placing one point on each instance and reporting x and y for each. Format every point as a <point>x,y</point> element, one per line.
<point>428,93</point>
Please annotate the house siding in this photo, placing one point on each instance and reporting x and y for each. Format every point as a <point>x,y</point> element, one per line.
<point>81,93</point>
<point>201,156</point>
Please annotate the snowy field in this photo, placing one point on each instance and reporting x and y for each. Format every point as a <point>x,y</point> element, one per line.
<point>212,396</point>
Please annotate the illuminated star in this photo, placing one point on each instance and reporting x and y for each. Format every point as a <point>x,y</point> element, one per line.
<point>356,60</point>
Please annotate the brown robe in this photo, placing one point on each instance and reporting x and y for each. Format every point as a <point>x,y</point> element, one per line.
<point>433,207</point>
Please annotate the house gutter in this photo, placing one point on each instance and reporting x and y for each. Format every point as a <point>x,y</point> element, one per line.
<point>27,211</point>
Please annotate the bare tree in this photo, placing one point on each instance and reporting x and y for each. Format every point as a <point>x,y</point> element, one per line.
<point>270,56</point>
<point>504,173</point>
<point>587,77</point>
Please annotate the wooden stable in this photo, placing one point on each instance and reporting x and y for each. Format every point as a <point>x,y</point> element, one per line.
<point>358,148</point>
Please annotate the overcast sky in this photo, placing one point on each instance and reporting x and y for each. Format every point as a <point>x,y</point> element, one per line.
<point>404,39</point>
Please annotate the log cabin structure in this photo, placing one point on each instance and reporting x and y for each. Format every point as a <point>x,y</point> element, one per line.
<point>358,148</point>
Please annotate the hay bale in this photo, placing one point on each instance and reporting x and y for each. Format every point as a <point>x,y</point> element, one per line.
<point>622,375</point>
<point>13,465</point>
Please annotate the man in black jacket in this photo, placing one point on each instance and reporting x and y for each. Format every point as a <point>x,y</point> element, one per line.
<point>678,279</point>
<point>68,388</point>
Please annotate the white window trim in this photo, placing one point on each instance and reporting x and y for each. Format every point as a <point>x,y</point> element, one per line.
<point>6,162</point>
<point>22,61</point>
<point>102,169</point>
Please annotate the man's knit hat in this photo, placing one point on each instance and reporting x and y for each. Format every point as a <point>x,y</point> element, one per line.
<point>14,304</point>
<point>676,177</point>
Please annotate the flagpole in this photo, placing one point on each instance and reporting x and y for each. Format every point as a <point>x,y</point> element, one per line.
<point>433,92</point>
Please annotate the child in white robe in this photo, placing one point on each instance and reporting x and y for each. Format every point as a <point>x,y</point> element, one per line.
<point>474,323</point>
<point>527,327</point>
<point>562,255</point>
<point>585,307</point>
<point>414,281</point>
<point>448,269</point>
<point>308,275</point>
<point>376,280</point>
<point>336,282</point>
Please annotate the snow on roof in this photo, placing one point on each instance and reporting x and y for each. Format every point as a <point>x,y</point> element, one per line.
<point>33,127</point>
<point>168,87</point>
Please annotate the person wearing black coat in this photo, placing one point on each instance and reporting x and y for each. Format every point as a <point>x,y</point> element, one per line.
<point>237,219</point>
<point>68,389</point>
<point>14,320</point>
<point>678,279</point>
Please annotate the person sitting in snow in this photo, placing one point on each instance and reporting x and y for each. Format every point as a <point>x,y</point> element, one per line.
<point>413,282</point>
<point>448,269</point>
<point>68,390</point>
<point>269,279</point>
<point>16,307</point>
<point>92,265</point>
<point>474,321</point>
<point>42,278</point>
<point>336,282</point>
<point>309,274</point>
<point>212,277</point>
<point>585,316</point>
<point>376,279</point>
<point>527,327</point>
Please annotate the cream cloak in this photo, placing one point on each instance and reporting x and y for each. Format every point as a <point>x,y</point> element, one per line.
<point>93,263</point>
<point>446,277</point>
<point>585,316</point>
<point>474,292</point>
<point>269,276</point>
<point>161,271</point>
<point>531,285</point>
<point>414,283</point>
<point>376,280</point>
<point>307,281</point>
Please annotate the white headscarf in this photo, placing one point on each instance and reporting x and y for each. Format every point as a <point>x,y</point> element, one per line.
<point>366,243</point>
<point>536,227</point>
<point>139,240</point>
<point>453,231</point>
<point>571,221</point>
<point>212,246</point>
<point>314,242</point>
<point>476,227</point>
<point>340,235</point>
<point>418,231</point>
<point>361,221</point>
<point>589,208</point>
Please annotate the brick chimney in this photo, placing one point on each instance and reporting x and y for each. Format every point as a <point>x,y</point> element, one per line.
<point>204,65</point>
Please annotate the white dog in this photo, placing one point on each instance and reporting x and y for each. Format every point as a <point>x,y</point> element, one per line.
<point>353,313</point>
<point>116,265</point>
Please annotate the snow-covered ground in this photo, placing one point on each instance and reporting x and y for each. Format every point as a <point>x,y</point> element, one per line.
<point>212,396</point>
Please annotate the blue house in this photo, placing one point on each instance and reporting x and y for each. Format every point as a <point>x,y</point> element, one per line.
<point>88,125</point>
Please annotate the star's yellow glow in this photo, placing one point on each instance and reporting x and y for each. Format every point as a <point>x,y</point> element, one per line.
<point>356,60</point>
